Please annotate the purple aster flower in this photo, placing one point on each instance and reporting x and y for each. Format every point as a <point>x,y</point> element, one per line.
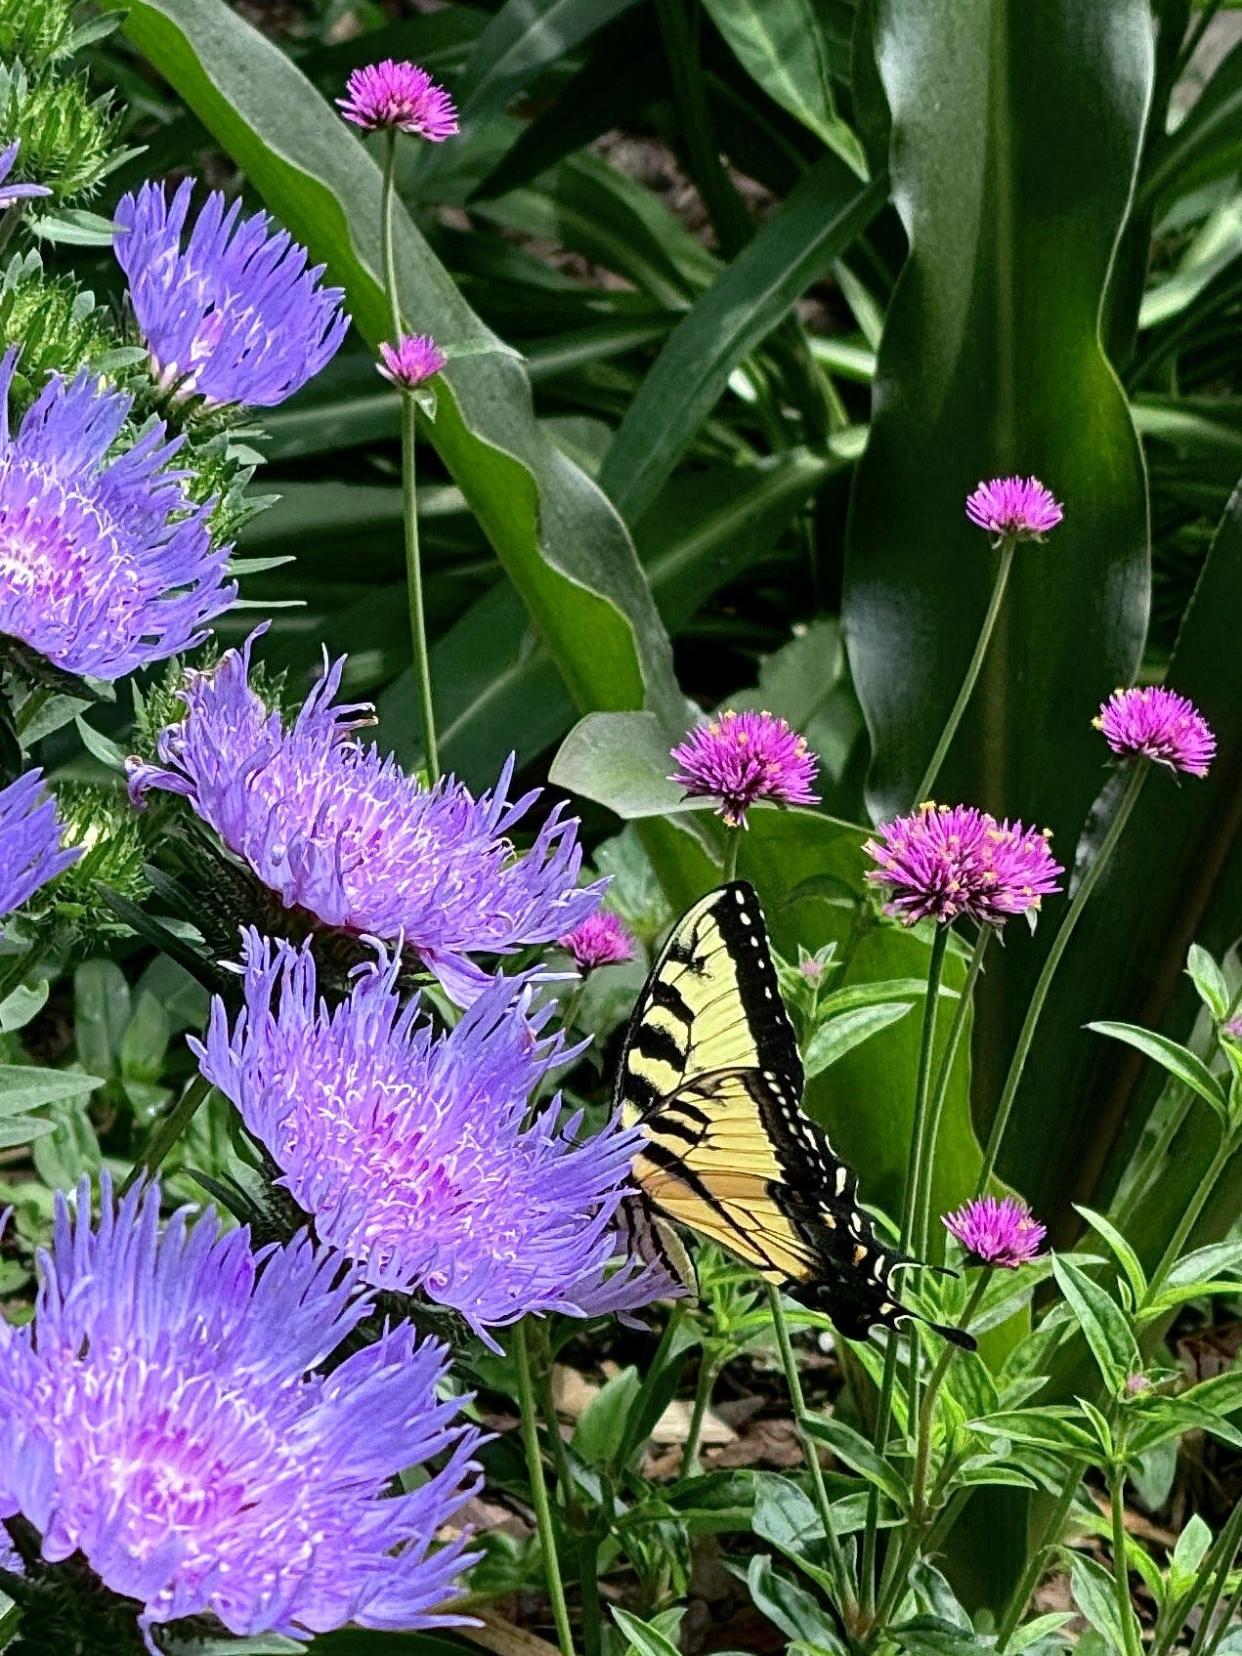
<point>414,1153</point>
<point>945,862</point>
<point>30,849</point>
<point>1014,508</point>
<point>738,758</point>
<point>601,940</point>
<point>414,359</point>
<point>105,565</point>
<point>334,829</point>
<point>1160,725</point>
<point>235,316</point>
<point>161,1417</point>
<point>401,97</point>
<point>10,194</point>
<point>1000,1233</point>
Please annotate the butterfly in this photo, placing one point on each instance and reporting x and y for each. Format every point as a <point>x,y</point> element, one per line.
<point>710,1074</point>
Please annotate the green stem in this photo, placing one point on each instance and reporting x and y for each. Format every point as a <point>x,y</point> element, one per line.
<point>928,782</point>
<point>940,1091</point>
<point>551,1425</point>
<point>847,1605</point>
<point>922,1452</point>
<point>1223,1625</point>
<point>539,1491</point>
<point>1035,1563</point>
<point>168,1132</point>
<point>642,1403</point>
<point>1121,1572</point>
<point>1060,943</point>
<point>733,845</point>
<point>1225,1148</point>
<point>588,1586</point>
<point>414,588</point>
<point>914,1174</point>
<point>708,1372</point>
<point>13,972</point>
<point>1214,1569</point>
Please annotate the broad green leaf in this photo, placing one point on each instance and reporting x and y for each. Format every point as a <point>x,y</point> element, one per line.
<point>1102,1322</point>
<point>872,994</point>
<point>836,1036</point>
<point>101,1011</point>
<point>1122,1252</point>
<point>600,1432</point>
<point>641,1636</point>
<point>20,1005</point>
<point>23,1087</point>
<point>621,760</point>
<point>798,1613</point>
<point>784,45</point>
<point>815,224</point>
<point>1180,1062</point>
<point>1045,1428</point>
<point>1093,1591</point>
<point>565,550</point>
<point>854,1449</point>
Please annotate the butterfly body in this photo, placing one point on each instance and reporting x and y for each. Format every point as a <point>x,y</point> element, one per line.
<point>710,1074</point>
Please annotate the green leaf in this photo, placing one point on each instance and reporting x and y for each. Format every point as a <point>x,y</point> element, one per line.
<point>784,45</point>
<point>1102,1321</point>
<point>101,1012</point>
<point>641,1636</point>
<point>1045,1428</point>
<point>1121,1249</point>
<point>790,1607</point>
<point>1093,1591</point>
<point>621,760</point>
<point>1207,144</point>
<point>1180,1062</point>
<point>600,1432</point>
<point>854,1449</point>
<point>815,224</point>
<point>836,1036</point>
<point>561,544</point>
<point>1209,980</point>
<point>20,1005</point>
<point>23,1088</point>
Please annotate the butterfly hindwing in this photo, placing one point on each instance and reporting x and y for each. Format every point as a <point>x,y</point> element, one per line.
<point>710,1071</point>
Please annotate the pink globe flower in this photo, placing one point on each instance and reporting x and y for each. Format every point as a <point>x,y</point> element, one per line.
<point>398,97</point>
<point>414,359</point>
<point>1156,724</point>
<point>738,758</point>
<point>943,862</point>
<point>1014,508</point>
<point>601,940</point>
<point>998,1233</point>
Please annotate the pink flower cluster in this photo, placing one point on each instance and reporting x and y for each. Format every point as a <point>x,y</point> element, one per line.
<point>600,940</point>
<point>1014,508</point>
<point>740,758</point>
<point>943,862</point>
<point>399,97</point>
<point>1160,725</point>
<point>999,1233</point>
<point>414,359</point>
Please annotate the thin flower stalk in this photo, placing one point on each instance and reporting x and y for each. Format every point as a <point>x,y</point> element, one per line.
<point>1035,1563</point>
<point>539,1491</point>
<point>1060,943</point>
<point>1130,1631</point>
<point>409,490</point>
<point>922,1452</point>
<point>173,1127</point>
<point>1229,1142</point>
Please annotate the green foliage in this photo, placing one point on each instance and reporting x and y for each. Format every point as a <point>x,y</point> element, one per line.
<point>68,131</point>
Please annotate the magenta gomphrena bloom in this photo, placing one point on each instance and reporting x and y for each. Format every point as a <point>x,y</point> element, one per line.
<point>1014,508</point>
<point>400,97</point>
<point>105,566</point>
<point>738,758</point>
<point>1000,1233</point>
<point>10,194</point>
<point>942,862</point>
<point>30,849</point>
<point>414,359</point>
<point>1157,724</point>
<point>163,1418</point>
<point>344,834</point>
<point>601,940</point>
<point>415,1153</point>
<point>234,317</point>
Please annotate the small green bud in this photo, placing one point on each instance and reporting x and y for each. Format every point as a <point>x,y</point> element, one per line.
<point>58,325</point>
<point>68,135</point>
<point>37,31</point>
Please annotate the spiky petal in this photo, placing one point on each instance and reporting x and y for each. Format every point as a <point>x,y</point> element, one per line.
<point>30,843</point>
<point>1014,508</point>
<point>236,316</point>
<point>105,566</point>
<point>163,1418</point>
<point>999,1233</point>
<point>414,1153</point>
<point>740,758</point>
<point>601,940</point>
<point>414,359</point>
<point>1157,724</point>
<point>337,830</point>
<point>943,862</point>
<point>401,97</point>
<point>10,194</point>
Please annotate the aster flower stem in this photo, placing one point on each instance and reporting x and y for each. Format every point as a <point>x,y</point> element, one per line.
<point>847,1600</point>
<point>1060,943</point>
<point>922,1453</point>
<point>168,1132</point>
<point>1004,566</point>
<point>922,1213</point>
<point>539,1490</point>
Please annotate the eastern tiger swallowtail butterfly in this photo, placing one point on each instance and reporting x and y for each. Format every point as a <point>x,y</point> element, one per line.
<point>710,1072</point>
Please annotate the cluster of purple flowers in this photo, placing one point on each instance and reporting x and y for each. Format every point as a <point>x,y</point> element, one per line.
<point>30,838</point>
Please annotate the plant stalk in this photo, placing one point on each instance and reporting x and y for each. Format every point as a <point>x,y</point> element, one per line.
<point>709,1370</point>
<point>1035,1563</point>
<point>1121,1574</point>
<point>539,1491</point>
<point>1215,1567</point>
<point>847,1606</point>
<point>922,1452</point>
<point>1005,565</point>
<point>1060,943</point>
<point>733,845</point>
<point>940,1092</point>
<point>168,1132</point>
<point>1225,1149</point>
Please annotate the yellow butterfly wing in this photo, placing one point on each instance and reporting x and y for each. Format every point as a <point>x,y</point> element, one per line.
<point>710,1072</point>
